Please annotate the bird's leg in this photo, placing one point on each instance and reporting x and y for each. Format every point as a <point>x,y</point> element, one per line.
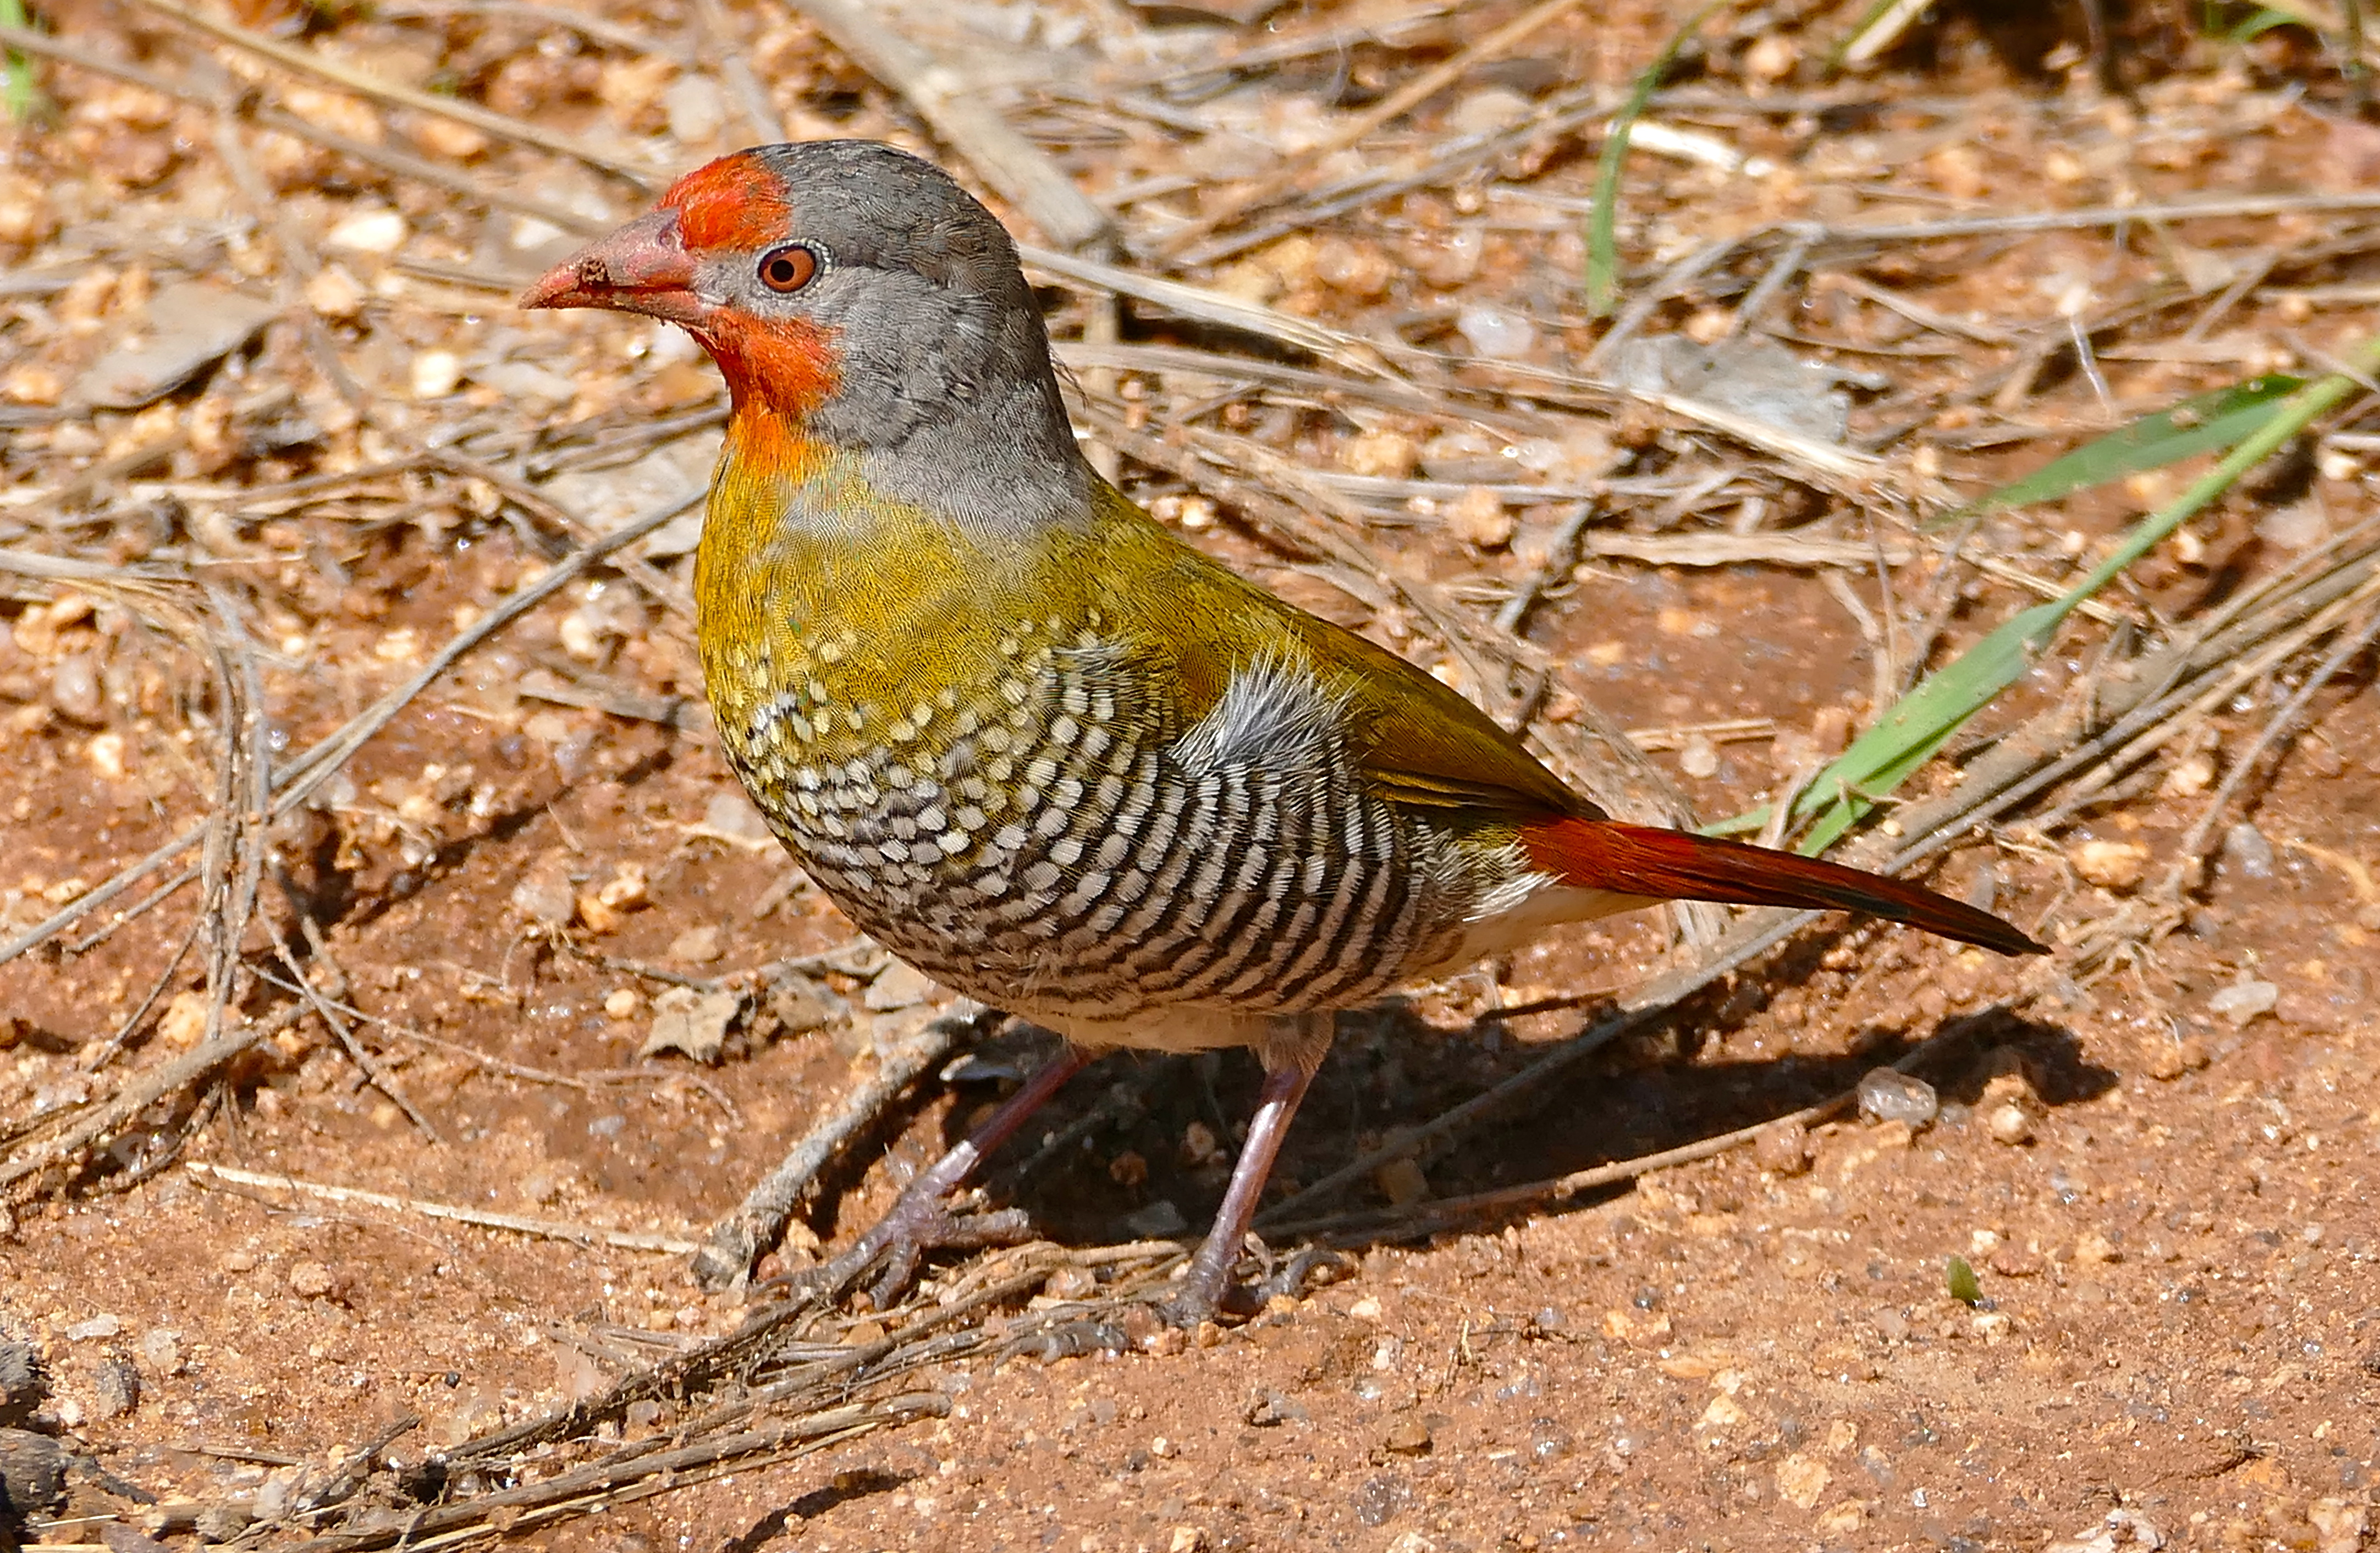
<point>921,1219</point>
<point>1210,1271</point>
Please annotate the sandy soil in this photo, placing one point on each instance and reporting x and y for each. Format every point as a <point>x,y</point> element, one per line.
<point>2159,1162</point>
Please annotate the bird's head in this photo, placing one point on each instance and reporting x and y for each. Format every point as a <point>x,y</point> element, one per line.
<point>848,288</point>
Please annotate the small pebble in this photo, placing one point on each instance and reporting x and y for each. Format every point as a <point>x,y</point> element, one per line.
<point>1771,57</point>
<point>527,385</point>
<point>2191,775</point>
<point>30,382</point>
<point>106,752</point>
<point>1698,757</point>
<point>2245,849</point>
<point>1723,1413</point>
<point>335,294</point>
<point>1271,1408</point>
<point>2011,1260</point>
<point>436,373</point>
<point>1487,110</point>
<point>1496,333</point>
<point>1479,517</point>
<point>1198,1145</point>
<point>543,894</point>
<point>73,686</point>
<point>1401,1181</point>
<point>2161,1058</point>
<point>115,1389</point>
<point>2340,1524</point>
<point>444,138</point>
<point>622,1002</point>
<point>1071,1283</point>
<point>2094,1249</point>
<point>1407,1436</point>
<point>2299,526</point>
<point>2009,1123</point>
<point>697,946</point>
<point>101,1326</point>
<point>1380,455</point>
<point>2243,1000</point>
<point>1357,269</point>
<point>2112,864</point>
<point>310,1280</point>
<point>1801,1479</point>
<point>1157,1220</point>
<point>381,231</point>
<point>1890,1095</point>
<point>221,1523</point>
<point>691,1022</point>
<point>1783,1148</point>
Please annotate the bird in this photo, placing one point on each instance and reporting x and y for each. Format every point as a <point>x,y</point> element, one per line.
<point>1036,744</point>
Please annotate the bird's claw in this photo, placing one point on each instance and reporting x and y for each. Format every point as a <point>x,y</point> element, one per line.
<point>1317,1265</point>
<point>893,1248</point>
<point>1191,1304</point>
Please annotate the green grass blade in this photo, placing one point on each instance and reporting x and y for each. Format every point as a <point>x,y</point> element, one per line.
<point>2263,21</point>
<point>2200,423</point>
<point>1895,744</point>
<point>1920,722</point>
<point>1603,221</point>
<point>20,95</point>
<point>1917,726</point>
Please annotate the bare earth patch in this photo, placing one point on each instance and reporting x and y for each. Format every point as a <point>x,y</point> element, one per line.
<point>353,1153</point>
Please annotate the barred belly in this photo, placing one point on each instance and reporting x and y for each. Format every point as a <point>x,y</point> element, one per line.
<point>1058,844</point>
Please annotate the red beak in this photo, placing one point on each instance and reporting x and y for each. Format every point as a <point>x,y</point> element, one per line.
<point>642,268</point>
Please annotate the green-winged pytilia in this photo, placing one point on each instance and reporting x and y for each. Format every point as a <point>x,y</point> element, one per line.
<point>1036,746</point>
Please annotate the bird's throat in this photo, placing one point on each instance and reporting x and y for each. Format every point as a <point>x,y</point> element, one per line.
<point>766,446</point>
<point>785,368</point>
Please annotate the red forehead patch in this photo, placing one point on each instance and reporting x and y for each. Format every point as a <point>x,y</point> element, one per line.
<point>733,203</point>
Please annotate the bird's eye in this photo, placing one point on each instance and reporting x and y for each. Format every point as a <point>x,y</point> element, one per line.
<point>789,268</point>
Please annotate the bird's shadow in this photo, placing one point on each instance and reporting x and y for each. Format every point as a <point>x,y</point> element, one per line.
<point>1137,1132</point>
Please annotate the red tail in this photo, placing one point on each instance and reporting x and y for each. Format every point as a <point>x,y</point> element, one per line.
<point>1674,865</point>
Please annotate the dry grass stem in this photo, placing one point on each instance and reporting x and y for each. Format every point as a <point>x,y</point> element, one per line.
<point>546,1229</point>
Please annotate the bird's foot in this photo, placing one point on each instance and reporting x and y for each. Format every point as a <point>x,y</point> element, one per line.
<point>921,1221</point>
<point>1209,1292</point>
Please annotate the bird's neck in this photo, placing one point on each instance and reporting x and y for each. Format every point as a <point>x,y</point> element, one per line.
<point>1004,474</point>
<point>975,433</point>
